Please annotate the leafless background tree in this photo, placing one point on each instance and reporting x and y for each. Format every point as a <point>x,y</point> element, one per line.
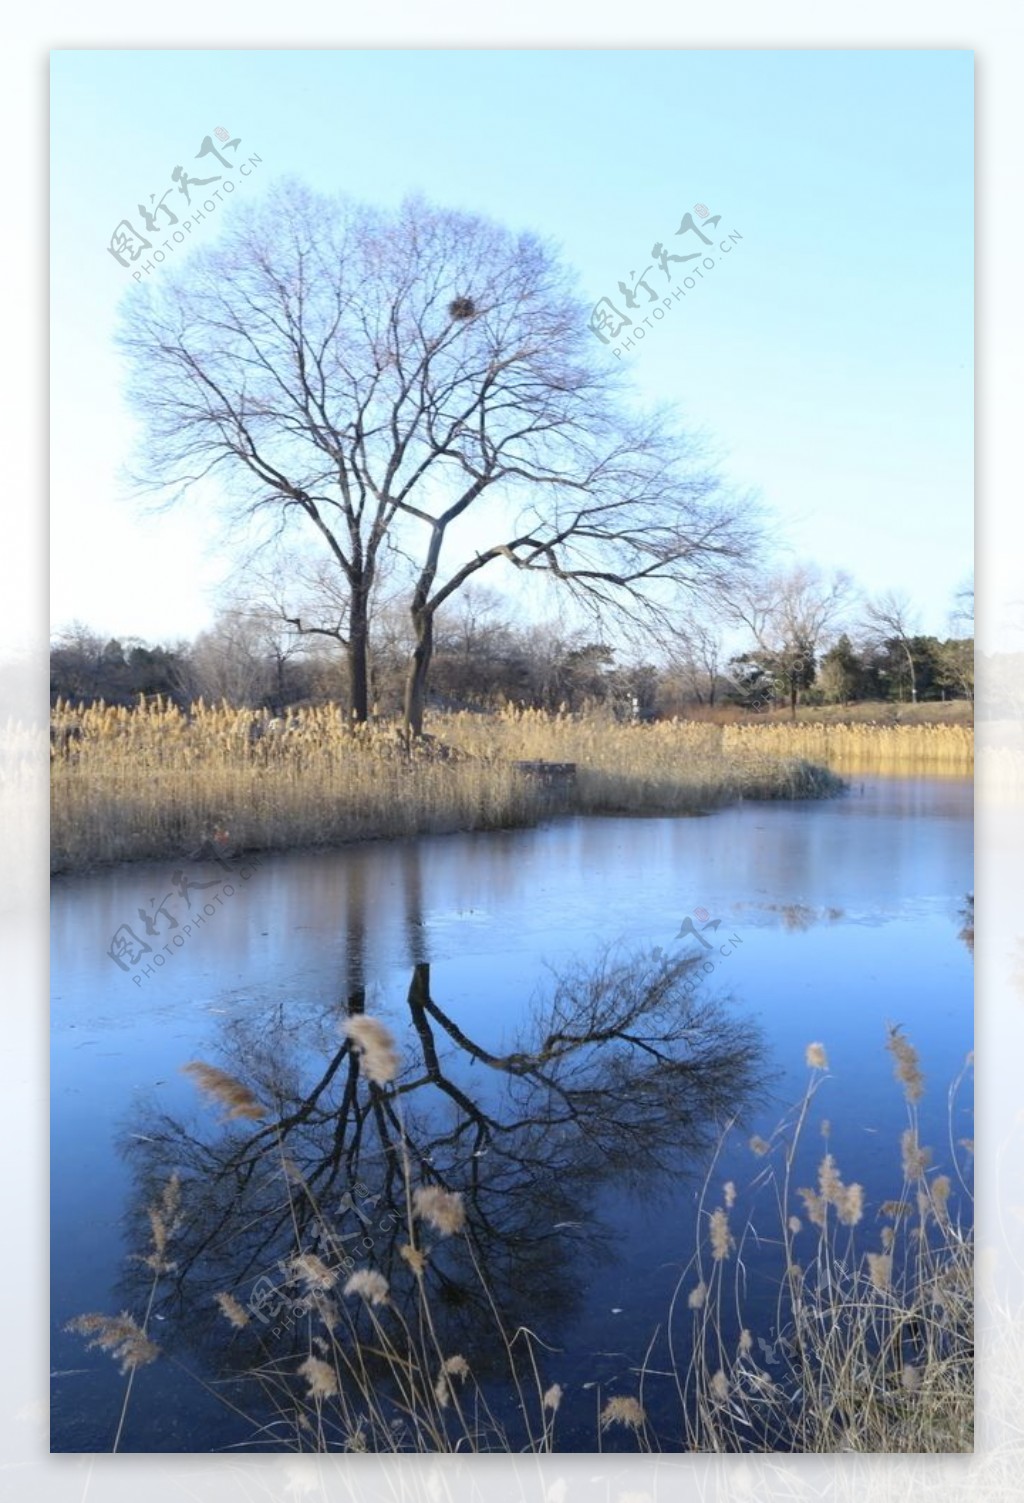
<point>790,616</point>
<point>699,655</point>
<point>890,617</point>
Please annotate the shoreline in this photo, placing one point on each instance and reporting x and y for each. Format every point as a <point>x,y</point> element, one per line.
<point>821,784</point>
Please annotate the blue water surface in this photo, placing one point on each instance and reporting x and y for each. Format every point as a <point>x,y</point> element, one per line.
<point>819,921</point>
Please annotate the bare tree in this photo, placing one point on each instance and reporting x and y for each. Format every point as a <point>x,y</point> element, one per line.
<point>700,654</point>
<point>374,374</point>
<point>958,654</point>
<point>243,657</point>
<point>478,658</point>
<point>76,662</point>
<point>961,617</point>
<point>790,617</point>
<point>304,595</point>
<point>890,617</point>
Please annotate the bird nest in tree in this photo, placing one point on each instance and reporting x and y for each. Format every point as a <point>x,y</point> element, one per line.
<point>462,307</point>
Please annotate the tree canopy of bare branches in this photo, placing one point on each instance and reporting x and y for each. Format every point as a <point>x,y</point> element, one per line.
<point>790,616</point>
<point>890,617</point>
<point>422,376</point>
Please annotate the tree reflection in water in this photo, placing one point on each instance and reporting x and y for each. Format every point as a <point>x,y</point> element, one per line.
<point>618,1082</point>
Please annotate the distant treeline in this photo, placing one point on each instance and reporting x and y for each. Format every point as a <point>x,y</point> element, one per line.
<point>248,659</point>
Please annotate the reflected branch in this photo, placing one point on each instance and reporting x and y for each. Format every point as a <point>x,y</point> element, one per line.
<point>620,1077</point>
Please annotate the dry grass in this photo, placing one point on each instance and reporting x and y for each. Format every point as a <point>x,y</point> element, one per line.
<point>863,712</point>
<point>147,783</point>
<point>151,782</point>
<point>870,1341</point>
<point>935,750</point>
<point>871,1320</point>
<point>669,766</point>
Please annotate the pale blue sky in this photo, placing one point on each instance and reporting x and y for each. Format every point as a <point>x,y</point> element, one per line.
<point>829,357</point>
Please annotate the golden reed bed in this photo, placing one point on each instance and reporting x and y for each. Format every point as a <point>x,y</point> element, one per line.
<point>932,749</point>
<point>147,782</point>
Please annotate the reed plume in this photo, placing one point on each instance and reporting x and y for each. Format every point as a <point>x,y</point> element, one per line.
<point>721,1238</point>
<point>830,1185</point>
<point>119,1335</point>
<point>231,1093</point>
<point>907,1068</point>
<point>313,1272</point>
<point>320,1376</point>
<point>915,1158</point>
<point>452,1367</point>
<point>941,1187</point>
<point>623,1410</point>
<point>170,1204</point>
<point>415,1257</point>
<point>814,1205</point>
<point>441,1209</point>
<point>851,1205</point>
<point>232,1310</point>
<point>880,1267</point>
<point>378,1056</point>
<point>370,1285</point>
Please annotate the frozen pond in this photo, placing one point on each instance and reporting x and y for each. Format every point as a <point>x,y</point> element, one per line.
<point>579,1159</point>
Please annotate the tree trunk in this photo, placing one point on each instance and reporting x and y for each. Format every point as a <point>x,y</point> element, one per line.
<point>419,669</point>
<point>358,665</point>
<point>913,679</point>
